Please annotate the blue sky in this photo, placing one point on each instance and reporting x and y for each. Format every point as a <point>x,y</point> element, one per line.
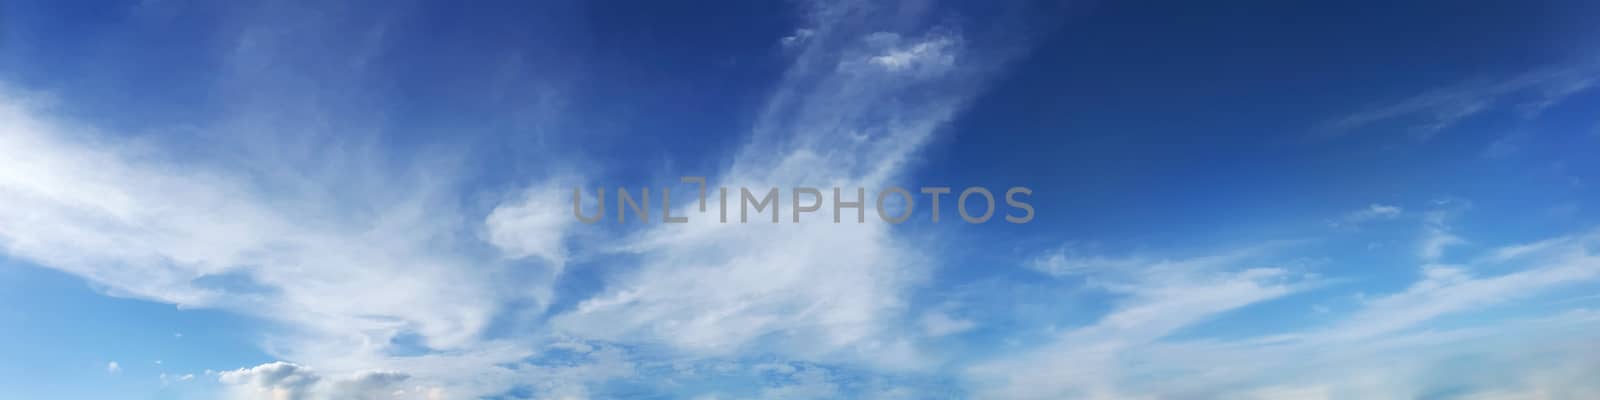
<point>371,200</point>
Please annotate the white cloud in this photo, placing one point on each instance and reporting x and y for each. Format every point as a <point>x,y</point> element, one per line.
<point>303,220</point>
<point>799,37</point>
<point>807,382</point>
<point>1068,260</point>
<point>1384,349</point>
<point>534,224</point>
<point>816,287</point>
<point>450,378</point>
<point>1373,212</point>
<point>931,54</point>
<point>343,277</point>
<point>1441,109</point>
<point>290,209</point>
<point>273,381</point>
<point>1554,92</point>
<point>167,379</point>
<point>1437,234</point>
<point>1506,145</point>
<point>287,381</point>
<point>1435,241</point>
<point>814,291</point>
<point>379,385</point>
<point>1286,392</point>
<point>1395,366</point>
<point>935,324</point>
<point>1381,211</point>
<point>1445,289</point>
<point>1159,298</point>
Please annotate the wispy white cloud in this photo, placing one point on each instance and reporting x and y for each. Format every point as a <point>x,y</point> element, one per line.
<point>1158,299</point>
<point>799,37</point>
<point>345,260</point>
<point>1435,111</point>
<point>1437,235</point>
<point>288,201</point>
<point>274,381</point>
<point>1070,260</point>
<point>1373,212</point>
<point>349,252</point>
<point>167,379</point>
<point>534,224</point>
<point>1385,349</point>
<point>1557,90</point>
<point>851,112</point>
<point>1444,289</point>
<point>938,323</point>
<point>930,55</point>
<point>1506,145</point>
<point>1392,366</point>
<point>466,375</point>
<point>806,382</point>
<point>286,381</point>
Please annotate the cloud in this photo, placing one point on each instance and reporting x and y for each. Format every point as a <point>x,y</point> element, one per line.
<point>798,38</point>
<point>1158,298</point>
<point>1384,349</point>
<point>167,379</point>
<point>534,224</point>
<point>1373,212</point>
<point>272,381</point>
<point>1555,91</point>
<point>806,382</point>
<point>290,207</point>
<point>296,203</point>
<point>297,198</point>
<point>1444,289</point>
<point>344,259</point>
<point>1437,110</point>
<point>935,324</point>
<point>378,385</point>
<point>1394,366</point>
<point>1068,260</point>
<point>852,111</point>
<point>1288,392</point>
<point>288,381</point>
<point>1437,234</point>
<point>1506,146</point>
<point>931,54</point>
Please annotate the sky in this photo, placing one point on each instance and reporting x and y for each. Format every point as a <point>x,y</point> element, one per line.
<point>374,200</point>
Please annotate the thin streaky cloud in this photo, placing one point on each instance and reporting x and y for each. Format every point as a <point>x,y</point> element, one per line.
<point>1438,110</point>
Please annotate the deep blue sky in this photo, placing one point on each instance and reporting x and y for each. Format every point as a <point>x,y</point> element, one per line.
<point>1249,199</point>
